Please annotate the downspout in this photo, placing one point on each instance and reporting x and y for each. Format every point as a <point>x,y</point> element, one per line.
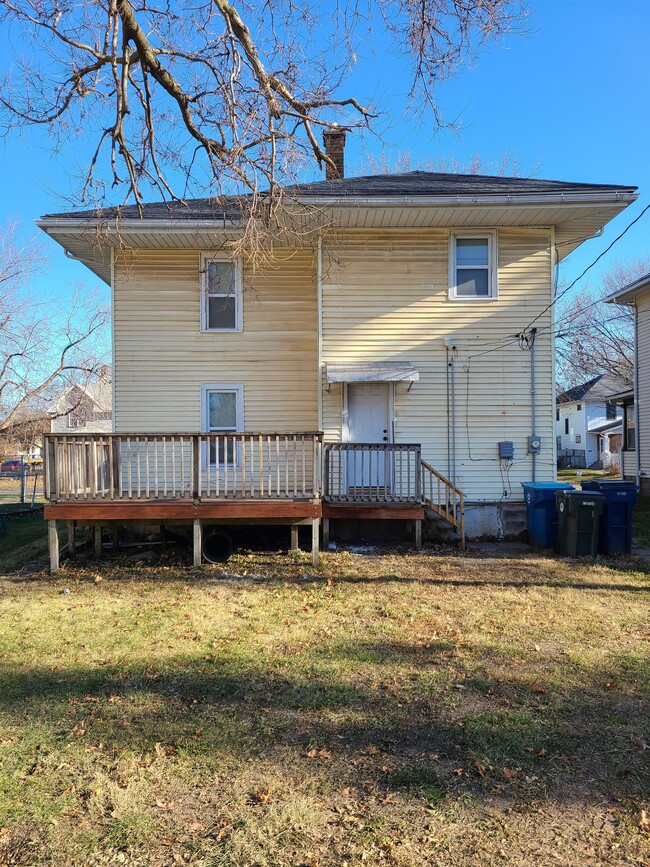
<point>637,431</point>
<point>319,304</point>
<point>533,397</point>
<point>448,365</point>
<point>113,370</point>
<point>453,416</point>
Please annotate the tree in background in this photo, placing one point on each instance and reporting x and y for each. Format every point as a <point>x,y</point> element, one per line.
<point>595,337</point>
<point>230,98</point>
<point>41,353</point>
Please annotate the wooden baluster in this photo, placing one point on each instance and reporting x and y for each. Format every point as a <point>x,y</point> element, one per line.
<point>277,465</point>
<point>164,463</point>
<point>128,467</point>
<point>243,466</point>
<point>285,452</point>
<point>304,467</point>
<point>172,441</point>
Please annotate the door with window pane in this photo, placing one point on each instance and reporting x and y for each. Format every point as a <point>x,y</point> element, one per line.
<point>222,418</point>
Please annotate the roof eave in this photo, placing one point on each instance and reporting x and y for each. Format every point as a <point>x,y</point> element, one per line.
<point>629,293</point>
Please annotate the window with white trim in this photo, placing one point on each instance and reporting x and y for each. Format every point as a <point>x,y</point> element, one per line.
<point>221,293</point>
<point>222,411</point>
<point>472,266</point>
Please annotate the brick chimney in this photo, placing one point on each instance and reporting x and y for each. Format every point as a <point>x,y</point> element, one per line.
<point>334,141</point>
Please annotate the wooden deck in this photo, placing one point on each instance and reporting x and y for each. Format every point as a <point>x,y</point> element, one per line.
<point>230,478</point>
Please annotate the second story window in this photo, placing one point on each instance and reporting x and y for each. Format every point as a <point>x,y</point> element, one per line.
<point>472,267</point>
<point>221,294</point>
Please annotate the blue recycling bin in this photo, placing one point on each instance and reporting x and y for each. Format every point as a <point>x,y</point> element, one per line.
<point>541,512</point>
<point>615,535</point>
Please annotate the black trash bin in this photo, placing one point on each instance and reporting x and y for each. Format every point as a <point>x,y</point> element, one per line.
<point>579,519</point>
<point>616,524</point>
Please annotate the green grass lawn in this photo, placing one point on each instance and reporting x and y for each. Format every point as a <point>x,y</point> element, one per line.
<point>585,475</point>
<point>641,522</point>
<point>24,539</point>
<point>396,709</point>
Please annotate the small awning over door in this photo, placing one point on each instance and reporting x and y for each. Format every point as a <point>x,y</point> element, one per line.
<point>372,371</point>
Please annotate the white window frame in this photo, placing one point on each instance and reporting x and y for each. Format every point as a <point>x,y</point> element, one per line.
<point>206,259</point>
<point>491,237</point>
<point>206,389</point>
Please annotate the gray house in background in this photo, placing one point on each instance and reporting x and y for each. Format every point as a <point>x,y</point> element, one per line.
<point>85,408</point>
<point>589,425</point>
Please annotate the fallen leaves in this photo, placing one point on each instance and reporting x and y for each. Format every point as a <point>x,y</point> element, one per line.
<point>509,774</point>
<point>319,754</point>
<point>642,821</point>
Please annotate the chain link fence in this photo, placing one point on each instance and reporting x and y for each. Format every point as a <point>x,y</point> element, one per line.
<point>21,481</point>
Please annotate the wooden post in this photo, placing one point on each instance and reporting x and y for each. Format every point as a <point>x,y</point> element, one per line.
<point>197,539</point>
<point>115,536</point>
<point>417,529</point>
<point>98,540</point>
<point>163,538</point>
<point>326,533</point>
<point>314,541</point>
<point>294,537</point>
<point>53,541</point>
<point>72,538</point>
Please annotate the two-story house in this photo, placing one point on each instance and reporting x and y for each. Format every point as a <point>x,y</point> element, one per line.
<point>373,368</point>
<point>85,407</point>
<point>588,423</point>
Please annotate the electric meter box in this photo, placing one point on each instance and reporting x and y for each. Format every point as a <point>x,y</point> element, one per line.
<point>506,450</point>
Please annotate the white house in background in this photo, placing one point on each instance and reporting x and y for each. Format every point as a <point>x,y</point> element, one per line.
<point>588,425</point>
<point>636,401</point>
<point>85,408</point>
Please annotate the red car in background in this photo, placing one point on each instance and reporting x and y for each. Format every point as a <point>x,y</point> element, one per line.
<point>11,468</point>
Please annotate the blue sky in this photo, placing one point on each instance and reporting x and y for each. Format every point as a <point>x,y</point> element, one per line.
<point>569,100</point>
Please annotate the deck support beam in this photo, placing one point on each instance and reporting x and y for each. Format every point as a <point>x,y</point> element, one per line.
<point>315,528</point>
<point>72,538</point>
<point>98,541</point>
<point>326,533</point>
<point>417,533</point>
<point>294,537</point>
<point>197,539</point>
<point>53,543</point>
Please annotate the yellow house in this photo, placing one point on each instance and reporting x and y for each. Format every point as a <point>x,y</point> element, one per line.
<point>635,453</point>
<point>394,362</point>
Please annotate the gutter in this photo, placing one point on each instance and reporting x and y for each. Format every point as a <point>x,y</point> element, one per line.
<point>625,196</point>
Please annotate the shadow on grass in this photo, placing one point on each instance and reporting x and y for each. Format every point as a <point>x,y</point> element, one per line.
<point>415,734</point>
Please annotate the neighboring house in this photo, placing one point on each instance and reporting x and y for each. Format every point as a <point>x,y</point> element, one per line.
<point>85,408</point>
<point>391,329</point>
<point>636,401</point>
<point>588,424</point>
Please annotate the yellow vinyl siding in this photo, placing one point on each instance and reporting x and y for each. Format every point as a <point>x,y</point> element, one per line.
<point>643,356</point>
<point>385,297</point>
<point>162,357</point>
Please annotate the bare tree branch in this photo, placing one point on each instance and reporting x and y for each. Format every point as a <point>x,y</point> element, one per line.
<point>41,354</point>
<point>228,97</point>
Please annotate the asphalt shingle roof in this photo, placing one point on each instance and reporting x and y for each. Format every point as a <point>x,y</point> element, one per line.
<point>600,388</point>
<point>403,185</point>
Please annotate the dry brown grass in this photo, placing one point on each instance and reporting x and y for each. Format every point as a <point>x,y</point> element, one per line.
<point>395,709</point>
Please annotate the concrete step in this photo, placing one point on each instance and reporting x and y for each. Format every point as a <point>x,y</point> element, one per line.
<point>438,529</point>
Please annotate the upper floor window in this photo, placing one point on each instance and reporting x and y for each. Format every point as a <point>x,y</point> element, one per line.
<point>566,425</point>
<point>557,415</point>
<point>472,266</point>
<point>221,293</point>
<point>579,407</point>
<point>610,410</point>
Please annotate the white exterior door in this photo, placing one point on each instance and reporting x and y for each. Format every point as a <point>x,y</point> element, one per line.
<point>369,421</point>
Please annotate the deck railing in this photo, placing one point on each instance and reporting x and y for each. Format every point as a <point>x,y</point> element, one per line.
<point>177,466</point>
<point>444,498</point>
<point>372,473</point>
